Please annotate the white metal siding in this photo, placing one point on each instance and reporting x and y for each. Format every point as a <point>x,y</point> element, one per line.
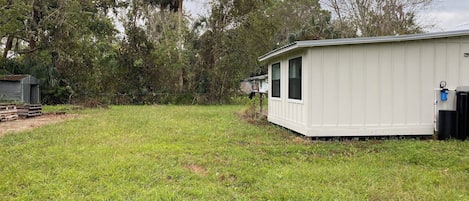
<point>464,66</point>
<point>399,77</point>
<point>358,83</point>
<point>283,111</point>
<point>314,91</point>
<point>330,85</point>
<point>427,81</point>
<point>371,89</point>
<point>381,89</point>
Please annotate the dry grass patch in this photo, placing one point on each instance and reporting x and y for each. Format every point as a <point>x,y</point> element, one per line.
<point>25,124</point>
<point>197,169</point>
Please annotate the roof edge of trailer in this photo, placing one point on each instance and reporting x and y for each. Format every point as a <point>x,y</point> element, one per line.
<point>363,40</point>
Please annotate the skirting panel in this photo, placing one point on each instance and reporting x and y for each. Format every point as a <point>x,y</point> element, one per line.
<point>325,131</point>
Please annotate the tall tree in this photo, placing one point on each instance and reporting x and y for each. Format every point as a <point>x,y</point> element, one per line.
<point>379,17</point>
<point>302,20</point>
<point>53,39</point>
<point>237,32</point>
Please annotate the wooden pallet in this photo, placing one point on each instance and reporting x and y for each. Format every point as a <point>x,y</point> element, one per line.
<point>8,112</point>
<point>7,107</point>
<point>31,110</point>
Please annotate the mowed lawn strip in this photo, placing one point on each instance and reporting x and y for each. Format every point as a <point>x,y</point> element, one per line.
<point>209,153</point>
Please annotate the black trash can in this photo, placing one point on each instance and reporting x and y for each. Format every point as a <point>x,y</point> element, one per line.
<point>462,112</point>
<point>446,124</point>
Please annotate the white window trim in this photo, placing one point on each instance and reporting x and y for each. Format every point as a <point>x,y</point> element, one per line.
<point>296,100</point>
<point>275,98</point>
<point>292,100</point>
<point>270,81</point>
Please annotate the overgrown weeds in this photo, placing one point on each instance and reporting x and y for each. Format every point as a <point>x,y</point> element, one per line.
<point>251,114</point>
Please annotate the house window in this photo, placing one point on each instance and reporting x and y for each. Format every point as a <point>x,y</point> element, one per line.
<point>276,80</point>
<point>294,78</point>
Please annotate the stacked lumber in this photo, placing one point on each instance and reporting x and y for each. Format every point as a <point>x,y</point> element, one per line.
<point>30,110</point>
<point>8,112</point>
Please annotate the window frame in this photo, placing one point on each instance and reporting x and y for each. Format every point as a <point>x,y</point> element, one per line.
<point>279,66</point>
<point>298,95</point>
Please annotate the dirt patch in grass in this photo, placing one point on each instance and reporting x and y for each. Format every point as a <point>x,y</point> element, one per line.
<point>197,169</point>
<point>24,124</point>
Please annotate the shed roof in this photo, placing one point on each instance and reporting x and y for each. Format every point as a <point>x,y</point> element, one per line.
<point>12,77</point>
<point>363,40</point>
<point>259,77</point>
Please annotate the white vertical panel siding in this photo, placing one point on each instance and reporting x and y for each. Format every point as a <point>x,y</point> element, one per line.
<point>399,85</point>
<point>372,79</point>
<point>306,84</point>
<point>358,85</point>
<point>296,113</point>
<point>371,89</point>
<point>464,67</point>
<point>440,61</point>
<point>344,73</point>
<point>330,85</point>
<point>386,85</point>
<point>452,64</point>
<point>274,107</point>
<point>412,87</point>
<point>315,89</point>
<point>427,66</point>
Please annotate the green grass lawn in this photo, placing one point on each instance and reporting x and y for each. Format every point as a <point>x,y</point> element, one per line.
<point>208,153</point>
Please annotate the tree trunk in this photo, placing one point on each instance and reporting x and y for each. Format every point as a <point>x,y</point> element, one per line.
<point>181,72</point>
<point>8,46</point>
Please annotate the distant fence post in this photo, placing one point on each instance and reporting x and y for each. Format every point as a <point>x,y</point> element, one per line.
<point>260,102</point>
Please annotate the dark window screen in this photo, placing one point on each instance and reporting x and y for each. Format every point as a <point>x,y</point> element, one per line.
<point>294,78</point>
<point>276,80</point>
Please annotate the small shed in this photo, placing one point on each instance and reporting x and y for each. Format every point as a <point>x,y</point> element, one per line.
<point>19,88</point>
<point>373,86</point>
<point>257,84</point>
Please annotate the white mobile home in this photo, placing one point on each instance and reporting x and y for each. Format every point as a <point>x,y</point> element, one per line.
<point>366,86</point>
<point>258,84</point>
